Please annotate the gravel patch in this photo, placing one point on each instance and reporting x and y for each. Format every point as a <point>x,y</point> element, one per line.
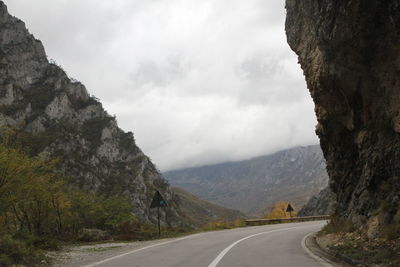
<point>79,255</point>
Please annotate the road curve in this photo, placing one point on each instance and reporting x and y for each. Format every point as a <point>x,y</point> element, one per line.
<point>270,245</point>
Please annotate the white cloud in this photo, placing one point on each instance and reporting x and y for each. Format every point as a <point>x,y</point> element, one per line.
<point>198,82</point>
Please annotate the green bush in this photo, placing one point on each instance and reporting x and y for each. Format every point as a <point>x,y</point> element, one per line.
<point>93,235</point>
<point>391,231</point>
<point>126,140</point>
<point>40,96</point>
<point>10,110</point>
<point>43,242</point>
<point>13,251</point>
<point>5,261</point>
<point>90,210</point>
<point>92,130</point>
<point>135,230</point>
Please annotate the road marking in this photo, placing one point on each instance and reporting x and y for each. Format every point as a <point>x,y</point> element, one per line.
<point>320,260</point>
<point>137,250</point>
<point>226,250</point>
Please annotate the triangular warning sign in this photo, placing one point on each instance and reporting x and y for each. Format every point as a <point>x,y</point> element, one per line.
<point>289,208</point>
<point>158,201</point>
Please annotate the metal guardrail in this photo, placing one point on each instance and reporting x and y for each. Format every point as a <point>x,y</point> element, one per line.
<point>254,222</point>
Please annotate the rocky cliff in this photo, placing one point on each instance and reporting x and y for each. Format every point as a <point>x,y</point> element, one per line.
<point>255,185</point>
<point>57,118</point>
<point>350,54</point>
<point>321,204</point>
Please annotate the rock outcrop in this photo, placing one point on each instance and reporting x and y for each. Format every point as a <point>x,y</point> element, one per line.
<point>321,204</point>
<point>57,118</point>
<point>350,54</point>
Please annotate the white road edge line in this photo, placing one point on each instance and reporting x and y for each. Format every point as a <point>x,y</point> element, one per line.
<point>226,250</point>
<point>137,250</point>
<point>320,260</point>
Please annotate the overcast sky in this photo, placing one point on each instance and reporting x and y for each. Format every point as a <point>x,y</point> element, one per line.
<point>197,82</point>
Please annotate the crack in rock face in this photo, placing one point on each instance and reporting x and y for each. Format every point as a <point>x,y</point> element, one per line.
<point>350,54</point>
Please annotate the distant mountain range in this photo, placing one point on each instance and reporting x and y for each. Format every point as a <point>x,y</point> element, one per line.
<point>199,212</point>
<point>253,186</point>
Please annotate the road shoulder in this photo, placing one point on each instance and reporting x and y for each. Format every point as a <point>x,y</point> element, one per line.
<point>314,250</point>
<point>80,255</point>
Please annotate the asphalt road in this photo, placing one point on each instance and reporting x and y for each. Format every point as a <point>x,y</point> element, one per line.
<point>271,245</point>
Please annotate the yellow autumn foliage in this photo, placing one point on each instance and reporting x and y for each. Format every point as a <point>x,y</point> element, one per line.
<point>35,199</point>
<point>279,211</point>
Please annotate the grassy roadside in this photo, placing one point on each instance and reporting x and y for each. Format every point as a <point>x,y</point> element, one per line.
<point>151,233</point>
<point>341,240</point>
<point>358,251</point>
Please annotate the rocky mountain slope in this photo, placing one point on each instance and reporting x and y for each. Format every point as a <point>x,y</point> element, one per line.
<point>200,212</point>
<point>321,204</point>
<point>255,185</point>
<point>57,118</point>
<point>349,52</point>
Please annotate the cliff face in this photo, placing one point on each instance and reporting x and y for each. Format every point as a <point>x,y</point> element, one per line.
<point>59,119</point>
<point>350,54</point>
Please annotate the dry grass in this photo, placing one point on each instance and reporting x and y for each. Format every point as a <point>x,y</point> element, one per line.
<point>220,225</point>
<point>337,225</point>
<point>356,249</point>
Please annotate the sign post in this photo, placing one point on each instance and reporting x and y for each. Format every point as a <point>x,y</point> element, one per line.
<point>289,209</point>
<point>158,202</point>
